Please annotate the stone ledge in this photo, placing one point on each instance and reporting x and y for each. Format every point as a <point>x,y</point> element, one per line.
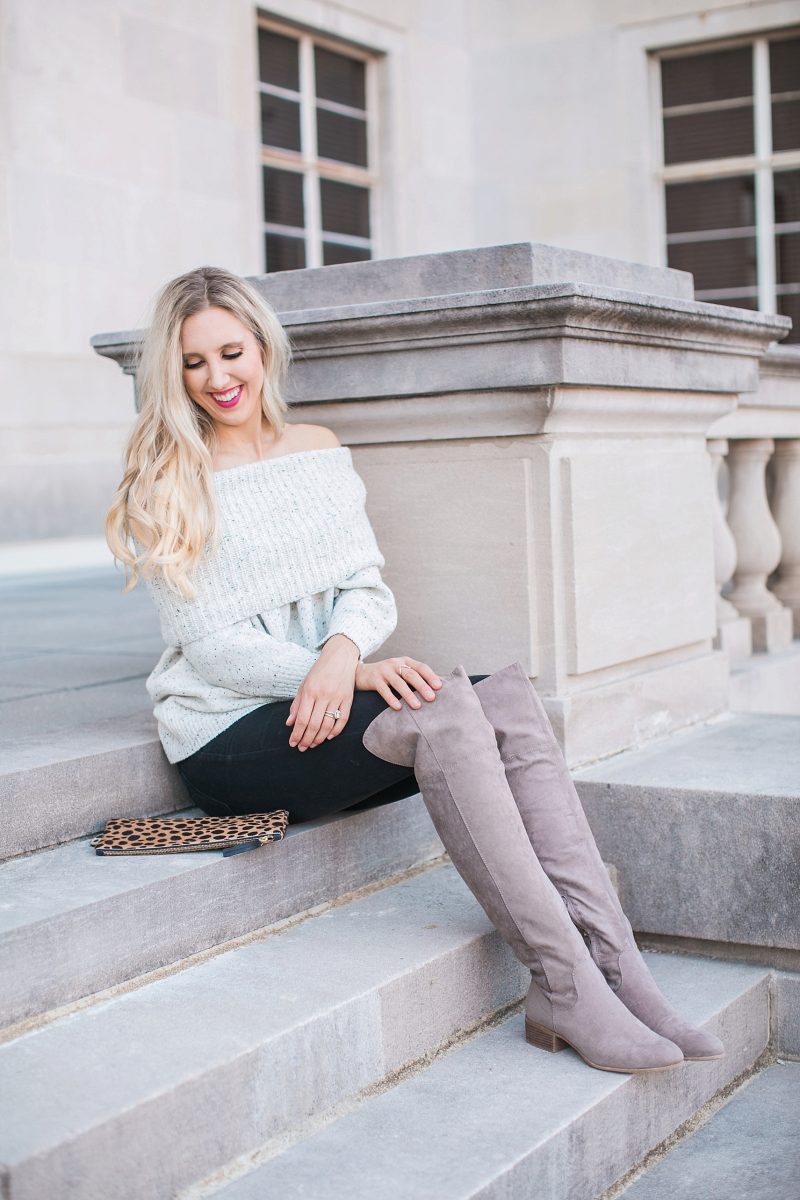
<point>560,333</point>
<point>477,268</point>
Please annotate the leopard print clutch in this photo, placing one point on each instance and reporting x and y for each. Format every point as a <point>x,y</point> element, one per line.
<point>178,835</point>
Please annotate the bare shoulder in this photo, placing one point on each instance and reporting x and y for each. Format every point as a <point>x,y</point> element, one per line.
<point>314,437</point>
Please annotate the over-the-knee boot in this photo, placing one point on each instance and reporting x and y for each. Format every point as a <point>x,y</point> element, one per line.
<point>560,834</point>
<point>452,749</point>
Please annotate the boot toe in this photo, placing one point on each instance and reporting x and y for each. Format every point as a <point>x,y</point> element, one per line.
<point>656,1055</point>
<point>666,1054</point>
<point>650,1054</point>
<point>697,1044</point>
<point>640,993</point>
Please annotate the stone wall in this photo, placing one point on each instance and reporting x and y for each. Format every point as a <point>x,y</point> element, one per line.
<point>129,153</point>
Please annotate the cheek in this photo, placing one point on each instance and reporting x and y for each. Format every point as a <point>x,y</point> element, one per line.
<point>256,368</point>
<point>196,396</point>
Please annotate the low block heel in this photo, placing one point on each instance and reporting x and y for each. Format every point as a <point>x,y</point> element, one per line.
<point>545,1039</point>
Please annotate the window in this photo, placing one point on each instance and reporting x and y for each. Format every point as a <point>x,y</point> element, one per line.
<point>731,131</point>
<point>317,155</point>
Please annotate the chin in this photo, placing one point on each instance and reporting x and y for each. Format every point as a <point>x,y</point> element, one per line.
<point>240,412</point>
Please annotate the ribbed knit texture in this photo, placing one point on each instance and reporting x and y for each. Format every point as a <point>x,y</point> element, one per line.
<point>201,685</point>
<point>288,527</point>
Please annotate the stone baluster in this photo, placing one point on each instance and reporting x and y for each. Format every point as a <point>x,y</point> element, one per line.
<point>733,630</point>
<point>758,544</point>
<point>786,512</point>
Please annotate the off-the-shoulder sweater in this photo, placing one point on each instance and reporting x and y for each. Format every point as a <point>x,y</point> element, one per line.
<point>297,562</point>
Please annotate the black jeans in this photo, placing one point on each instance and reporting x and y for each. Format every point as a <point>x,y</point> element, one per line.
<point>250,766</point>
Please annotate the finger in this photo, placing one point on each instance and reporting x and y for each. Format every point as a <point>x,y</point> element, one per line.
<point>327,725</point>
<point>329,729</point>
<point>304,712</point>
<point>384,690</point>
<point>416,680</point>
<point>344,709</point>
<point>315,721</point>
<point>298,729</point>
<point>426,672</point>
<point>405,691</point>
<point>400,683</point>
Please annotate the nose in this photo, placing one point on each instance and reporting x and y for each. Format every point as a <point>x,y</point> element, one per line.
<point>217,376</point>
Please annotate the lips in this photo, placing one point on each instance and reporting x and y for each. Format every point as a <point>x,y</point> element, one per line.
<point>228,399</point>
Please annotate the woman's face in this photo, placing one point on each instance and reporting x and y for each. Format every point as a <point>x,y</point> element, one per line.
<point>222,366</point>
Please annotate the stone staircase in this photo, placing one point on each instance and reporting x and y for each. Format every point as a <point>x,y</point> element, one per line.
<point>207,1024</point>
<point>332,1015</point>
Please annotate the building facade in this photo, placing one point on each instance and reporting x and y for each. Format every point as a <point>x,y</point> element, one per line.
<point>142,139</point>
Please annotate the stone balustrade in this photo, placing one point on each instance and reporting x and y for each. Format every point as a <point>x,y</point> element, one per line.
<point>757,522</point>
<point>541,432</point>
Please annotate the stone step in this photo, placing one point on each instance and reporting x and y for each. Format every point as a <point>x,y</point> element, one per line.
<point>748,1150</point>
<point>143,1094</point>
<point>499,1119</point>
<point>78,740</point>
<point>701,827</point>
<point>73,923</point>
<point>70,779</point>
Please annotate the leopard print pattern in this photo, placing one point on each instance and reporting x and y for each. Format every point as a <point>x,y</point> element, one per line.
<point>159,835</point>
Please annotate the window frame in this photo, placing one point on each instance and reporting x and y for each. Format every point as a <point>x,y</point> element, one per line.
<point>762,164</point>
<point>306,162</point>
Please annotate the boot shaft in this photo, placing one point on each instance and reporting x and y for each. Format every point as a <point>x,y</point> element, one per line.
<point>452,749</point>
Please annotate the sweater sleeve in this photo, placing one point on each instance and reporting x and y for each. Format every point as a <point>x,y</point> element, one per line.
<point>364,610</point>
<point>247,659</point>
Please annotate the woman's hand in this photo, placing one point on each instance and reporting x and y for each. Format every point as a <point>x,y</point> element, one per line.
<point>384,675</point>
<point>327,686</point>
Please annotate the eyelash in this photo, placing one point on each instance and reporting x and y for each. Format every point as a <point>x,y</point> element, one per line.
<point>191,366</point>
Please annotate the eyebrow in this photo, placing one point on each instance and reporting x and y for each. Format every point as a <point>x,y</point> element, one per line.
<point>190,353</point>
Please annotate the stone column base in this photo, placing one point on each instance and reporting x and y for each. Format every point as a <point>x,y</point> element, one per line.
<point>735,637</point>
<point>772,630</point>
<point>632,711</point>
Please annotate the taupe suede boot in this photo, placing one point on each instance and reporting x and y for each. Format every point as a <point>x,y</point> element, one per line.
<point>452,749</point>
<point>560,834</point>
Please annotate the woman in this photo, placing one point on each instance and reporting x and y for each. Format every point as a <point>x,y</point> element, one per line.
<point>252,537</point>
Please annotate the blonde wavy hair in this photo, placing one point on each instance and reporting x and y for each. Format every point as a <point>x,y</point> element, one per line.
<point>165,501</point>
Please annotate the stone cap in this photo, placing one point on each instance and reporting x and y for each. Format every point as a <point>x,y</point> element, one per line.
<point>453,272</point>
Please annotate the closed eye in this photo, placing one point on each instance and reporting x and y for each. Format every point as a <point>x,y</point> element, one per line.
<point>191,366</point>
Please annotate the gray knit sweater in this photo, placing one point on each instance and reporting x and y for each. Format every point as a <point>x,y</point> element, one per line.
<point>297,563</point>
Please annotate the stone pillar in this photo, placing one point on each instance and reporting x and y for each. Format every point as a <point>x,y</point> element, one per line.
<point>530,423</point>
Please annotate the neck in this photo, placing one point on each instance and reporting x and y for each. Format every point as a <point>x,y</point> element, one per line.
<point>242,445</point>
